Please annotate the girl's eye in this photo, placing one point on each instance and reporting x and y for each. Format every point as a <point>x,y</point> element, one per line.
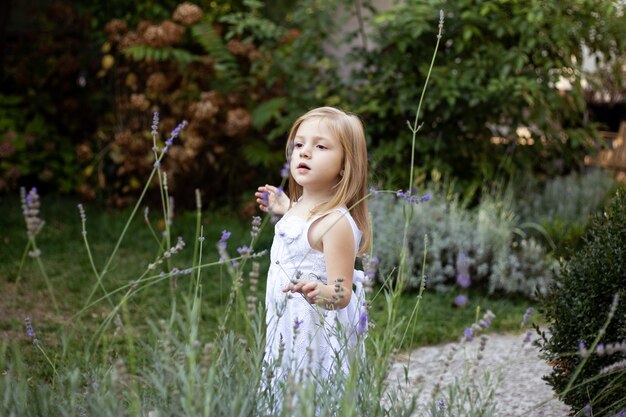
<point>297,145</point>
<point>321,147</point>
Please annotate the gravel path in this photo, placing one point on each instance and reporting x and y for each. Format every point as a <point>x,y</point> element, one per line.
<point>519,392</point>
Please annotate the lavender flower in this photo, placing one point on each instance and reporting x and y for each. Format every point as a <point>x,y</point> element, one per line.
<point>256,224</point>
<point>582,349</point>
<point>175,133</point>
<point>462,270</point>
<point>587,410</point>
<point>30,208</point>
<point>362,324</point>
<point>461,300</point>
<point>441,404</point>
<point>155,123</point>
<point>527,338</point>
<point>370,265</point>
<point>468,335</point>
<point>409,197</point>
<point>527,314</point>
<point>244,251</point>
<point>224,239</point>
<point>30,332</point>
<point>221,245</point>
<point>297,323</point>
<point>284,172</point>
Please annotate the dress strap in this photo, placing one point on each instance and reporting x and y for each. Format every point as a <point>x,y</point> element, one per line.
<point>356,232</point>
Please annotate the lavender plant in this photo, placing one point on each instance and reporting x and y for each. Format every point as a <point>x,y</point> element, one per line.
<point>496,253</point>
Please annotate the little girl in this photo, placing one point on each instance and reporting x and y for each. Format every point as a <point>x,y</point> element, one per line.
<point>315,303</point>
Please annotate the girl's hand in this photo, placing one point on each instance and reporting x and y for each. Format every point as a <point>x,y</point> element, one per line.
<point>309,289</point>
<point>270,198</point>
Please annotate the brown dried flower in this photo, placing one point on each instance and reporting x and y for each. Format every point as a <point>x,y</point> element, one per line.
<point>157,83</point>
<point>83,152</point>
<point>115,30</point>
<point>238,121</point>
<point>187,13</point>
<point>166,34</point>
<point>142,26</point>
<point>139,102</point>
<point>236,47</point>
<point>86,192</point>
<point>173,32</point>
<point>123,138</point>
<point>128,40</point>
<point>203,111</point>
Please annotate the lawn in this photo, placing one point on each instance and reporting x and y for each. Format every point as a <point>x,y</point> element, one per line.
<point>72,280</point>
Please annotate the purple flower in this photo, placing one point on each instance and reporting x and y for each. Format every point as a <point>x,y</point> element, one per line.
<point>582,349</point>
<point>527,338</point>
<point>527,314</point>
<point>284,172</point>
<point>441,404</point>
<point>244,250</point>
<point>175,133</point>
<point>485,324</point>
<point>403,194</point>
<point>221,245</point>
<point>30,332</point>
<point>468,334</point>
<point>224,239</point>
<point>297,323</point>
<point>462,270</point>
<point>461,300</point>
<point>370,267</point>
<point>30,207</point>
<point>410,196</point>
<point>155,123</point>
<point>361,326</point>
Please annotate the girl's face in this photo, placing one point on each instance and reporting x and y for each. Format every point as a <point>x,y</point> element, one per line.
<point>317,157</point>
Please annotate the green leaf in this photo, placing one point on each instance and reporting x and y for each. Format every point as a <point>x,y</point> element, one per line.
<point>268,111</point>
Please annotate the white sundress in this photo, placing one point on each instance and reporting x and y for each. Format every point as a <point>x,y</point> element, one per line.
<point>309,341</point>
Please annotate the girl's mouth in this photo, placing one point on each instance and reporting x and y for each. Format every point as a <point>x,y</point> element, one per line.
<point>302,166</point>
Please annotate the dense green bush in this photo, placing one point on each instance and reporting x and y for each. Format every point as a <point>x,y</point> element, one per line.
<point>496,71</point>
<point>577,309</point>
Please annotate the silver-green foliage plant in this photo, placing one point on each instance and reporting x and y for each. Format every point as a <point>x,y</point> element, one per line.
<point>487,239</point>
<point>564,205</point>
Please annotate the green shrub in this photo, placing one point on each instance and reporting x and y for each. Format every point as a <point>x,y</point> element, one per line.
<point>496,71</point>
<point>577,310</point>
<point>486,240</point>
<point>564,219</point>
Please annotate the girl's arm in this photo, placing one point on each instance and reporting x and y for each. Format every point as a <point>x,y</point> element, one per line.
<point>337,244</point>
<point>270,198</point>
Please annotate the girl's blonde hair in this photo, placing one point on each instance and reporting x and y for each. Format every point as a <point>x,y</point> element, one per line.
<point>351,190</point>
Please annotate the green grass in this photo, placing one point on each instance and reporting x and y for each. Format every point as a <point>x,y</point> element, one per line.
<point>67,264</point>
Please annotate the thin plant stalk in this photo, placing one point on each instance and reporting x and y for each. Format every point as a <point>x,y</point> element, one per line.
<point>92,263</point>
<point>22,262</point>
<point>45,274</point>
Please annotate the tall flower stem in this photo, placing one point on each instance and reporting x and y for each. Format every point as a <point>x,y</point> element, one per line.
<point>44,273</point>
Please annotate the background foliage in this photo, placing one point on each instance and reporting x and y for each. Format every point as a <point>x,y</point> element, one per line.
<point>80,86</point>
<point>496,71</point>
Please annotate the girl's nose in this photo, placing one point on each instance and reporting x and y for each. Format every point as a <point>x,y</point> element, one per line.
<point>304,152</point>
